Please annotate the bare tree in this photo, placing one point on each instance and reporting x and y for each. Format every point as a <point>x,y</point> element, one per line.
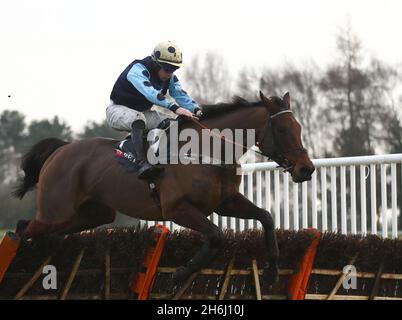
<point>303,88</point>
<point>393,135</point>
<point>248,84</point>
<point>356,96</point>
<point>209,79</point>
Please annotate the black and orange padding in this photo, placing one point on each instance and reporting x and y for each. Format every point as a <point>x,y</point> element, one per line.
<point>8,249</point>
<point>142,284</point>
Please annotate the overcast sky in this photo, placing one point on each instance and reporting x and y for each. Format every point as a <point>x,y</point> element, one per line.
<point>63,56</point>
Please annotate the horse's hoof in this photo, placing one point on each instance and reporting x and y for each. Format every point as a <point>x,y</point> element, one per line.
<point>271,274</point>
<point>181,274</point>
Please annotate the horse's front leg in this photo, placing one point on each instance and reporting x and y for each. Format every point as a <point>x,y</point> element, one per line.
<point>187,215</point>
<point>240,207</point>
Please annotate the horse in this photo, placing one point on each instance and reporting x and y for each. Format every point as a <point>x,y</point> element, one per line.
<point>80,185</point>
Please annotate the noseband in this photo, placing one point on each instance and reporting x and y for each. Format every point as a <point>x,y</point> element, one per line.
<point>278,157</point>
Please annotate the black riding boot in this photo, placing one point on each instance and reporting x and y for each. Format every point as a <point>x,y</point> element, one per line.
<point>146,171</point>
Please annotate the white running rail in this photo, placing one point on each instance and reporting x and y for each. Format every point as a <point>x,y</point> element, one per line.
<point>353,195</point>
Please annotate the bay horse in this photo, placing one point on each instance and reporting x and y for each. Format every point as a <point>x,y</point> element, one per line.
<point>80,185</point>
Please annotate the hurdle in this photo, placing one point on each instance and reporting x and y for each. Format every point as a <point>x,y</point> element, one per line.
<point>102,265</point>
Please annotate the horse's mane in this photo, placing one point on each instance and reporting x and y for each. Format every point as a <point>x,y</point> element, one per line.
<point>214,110</point>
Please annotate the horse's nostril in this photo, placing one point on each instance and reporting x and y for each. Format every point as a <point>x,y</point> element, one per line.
<point>307,171</point>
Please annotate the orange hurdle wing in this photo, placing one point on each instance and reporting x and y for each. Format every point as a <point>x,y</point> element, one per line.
<point>144,280</point>
<point>8,249</point>
<point>298,283</point>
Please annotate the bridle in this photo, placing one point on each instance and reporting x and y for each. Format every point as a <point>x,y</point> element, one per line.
<point>279,158</point>
<point>273,154</point>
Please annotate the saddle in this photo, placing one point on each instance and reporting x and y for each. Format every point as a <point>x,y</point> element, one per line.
<point>157,141</point>
<point>127,159</point>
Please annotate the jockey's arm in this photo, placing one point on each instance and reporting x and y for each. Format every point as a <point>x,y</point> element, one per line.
<point>138,78</point>
<point>182,98</point>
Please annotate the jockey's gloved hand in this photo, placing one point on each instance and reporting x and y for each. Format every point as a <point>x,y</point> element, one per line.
<point>185,112</point>
<point>198,112</point>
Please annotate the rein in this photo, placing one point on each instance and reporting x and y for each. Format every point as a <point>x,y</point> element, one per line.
<point>218,135</point>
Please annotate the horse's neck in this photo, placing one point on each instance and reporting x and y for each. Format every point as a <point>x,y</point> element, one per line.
<point>239,129</point>
<point>252,117</point>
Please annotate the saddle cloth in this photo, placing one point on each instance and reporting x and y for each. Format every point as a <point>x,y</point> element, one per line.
<point>152,143</point>
<point>158,149</point>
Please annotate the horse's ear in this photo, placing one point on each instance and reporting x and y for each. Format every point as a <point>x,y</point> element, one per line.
<point>286,99</point>
<point>264,99</point>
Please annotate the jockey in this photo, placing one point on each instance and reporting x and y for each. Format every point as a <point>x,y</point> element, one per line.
<point>141,85</point>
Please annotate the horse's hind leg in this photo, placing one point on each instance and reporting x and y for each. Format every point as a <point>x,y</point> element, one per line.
<point>189,216</point>
<point>89,215</point>
<point>240,207</point>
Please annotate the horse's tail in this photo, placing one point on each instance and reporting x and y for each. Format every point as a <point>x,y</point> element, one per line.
<point>32,163</point>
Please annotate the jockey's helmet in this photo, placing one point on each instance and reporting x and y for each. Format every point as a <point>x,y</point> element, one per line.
<point>168,56</point>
